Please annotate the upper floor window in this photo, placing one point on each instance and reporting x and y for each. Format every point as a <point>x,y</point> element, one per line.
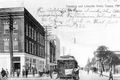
<point>32,33</point>
<point>40,51</point>
<point>6,45</point>
<point>15,45</point>
<point>37,37</point>
<point>35,34</point>
<point>26,45</point>
<point>29,46</point>
<point>27,29</point>
<point>40,39</point>
<point>32,48</point>
<point>15,28</point>
<point>35,49</point>
<point>6,27</point>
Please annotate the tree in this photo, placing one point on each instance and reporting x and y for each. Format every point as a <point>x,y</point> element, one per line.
<point>101,55</point>
<point>112,59</point>
<point>106,57</point>
<point>93,61</point>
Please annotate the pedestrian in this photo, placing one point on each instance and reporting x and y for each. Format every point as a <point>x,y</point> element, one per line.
<point>18,72</point>
<point>3,73</point>
<point>51,71</point>
<point>40,73</point>
<point>23,72</point>
<point>88,71</point>
<point>76,72</point>
<point>58,73</point>
<point>33,71</point>
<point>101,71</point>
<point>26,73</point>
<point>110,75</point>
<point>7,73</point>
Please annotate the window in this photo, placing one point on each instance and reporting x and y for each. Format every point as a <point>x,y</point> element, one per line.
<point>6,27</point>
<point>32,48</point>
<point>32,33</point>
<point>43,52</point>
<point>43,41</point>
<point>38,50</point>
<point>35,49</point>
<point>26,45</point>
<point>15,45</point>
<point>40,39</point>
<point>6,45</point>
<point>27,30</point>
<point>35,35</point>
<point>29,47</point>
<point>15,28</point>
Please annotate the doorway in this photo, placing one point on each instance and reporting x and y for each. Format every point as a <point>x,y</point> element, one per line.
<point>16,66</point>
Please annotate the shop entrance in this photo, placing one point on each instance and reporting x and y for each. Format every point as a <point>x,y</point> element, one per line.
<point>16,66</point>
<point>16,61</point>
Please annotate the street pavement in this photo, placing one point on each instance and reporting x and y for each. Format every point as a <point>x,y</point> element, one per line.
<point>83,76</point>
<point>91,76</point>
<point>115,76</point>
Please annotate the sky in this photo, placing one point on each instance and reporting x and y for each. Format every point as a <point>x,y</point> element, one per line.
<point>82,39</point>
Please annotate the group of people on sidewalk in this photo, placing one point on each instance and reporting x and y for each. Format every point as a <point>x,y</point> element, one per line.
<point>4,73</point>
<point>47,72</point>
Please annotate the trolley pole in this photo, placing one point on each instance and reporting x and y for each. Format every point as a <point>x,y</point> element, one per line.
<point>11,44</point>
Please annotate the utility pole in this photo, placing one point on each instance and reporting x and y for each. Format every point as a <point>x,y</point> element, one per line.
<point>46,48</point>
<point>11,44</point>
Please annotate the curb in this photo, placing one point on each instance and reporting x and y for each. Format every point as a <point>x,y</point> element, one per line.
<point>11,78</point>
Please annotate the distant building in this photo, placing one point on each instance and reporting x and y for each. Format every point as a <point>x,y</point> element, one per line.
<point>53,51</point>
<point>28,40</point>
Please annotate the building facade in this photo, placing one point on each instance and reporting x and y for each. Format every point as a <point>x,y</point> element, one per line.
<point>28,40</point>
<point>53,51</point>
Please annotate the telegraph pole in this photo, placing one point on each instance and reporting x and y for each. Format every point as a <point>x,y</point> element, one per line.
<point>46,49</point>
<point>11,44</point>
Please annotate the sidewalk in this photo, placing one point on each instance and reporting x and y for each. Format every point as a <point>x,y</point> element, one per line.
<point>107,74</point>
<point>31,76</point>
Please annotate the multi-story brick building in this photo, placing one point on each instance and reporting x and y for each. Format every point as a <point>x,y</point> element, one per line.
<point>28,40</point>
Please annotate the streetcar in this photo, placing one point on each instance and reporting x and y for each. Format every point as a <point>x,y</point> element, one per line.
<point>67,66</point>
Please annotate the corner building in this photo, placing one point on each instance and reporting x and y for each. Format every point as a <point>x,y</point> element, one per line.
<point>28,40</point>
